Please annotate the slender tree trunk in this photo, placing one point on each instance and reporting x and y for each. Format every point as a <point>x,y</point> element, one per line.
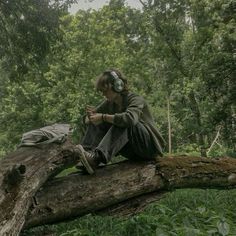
<point>214,141</point>
<point>197,113</point>
<point>233,124</point>
<point>169,125</point>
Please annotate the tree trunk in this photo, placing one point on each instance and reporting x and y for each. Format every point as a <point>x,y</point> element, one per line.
<point>22,173</point>
<point>77,194</point>
<point>169,125</point>
<point>196,111</point>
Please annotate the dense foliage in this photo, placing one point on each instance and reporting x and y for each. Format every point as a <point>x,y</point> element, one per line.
<point>179,54</point>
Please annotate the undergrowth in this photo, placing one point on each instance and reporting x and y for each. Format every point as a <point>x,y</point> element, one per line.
<point>185,212</point>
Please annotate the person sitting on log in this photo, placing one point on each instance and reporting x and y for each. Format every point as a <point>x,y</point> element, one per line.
<point>121,125</point>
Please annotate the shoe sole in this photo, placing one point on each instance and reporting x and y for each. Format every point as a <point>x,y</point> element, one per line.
<point>84,160</point>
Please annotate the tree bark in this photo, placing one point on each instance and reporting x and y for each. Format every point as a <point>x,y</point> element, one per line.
<point>76,194</point>
<point>198,116</point>
<point>169,125</point>
<point>22,173</point>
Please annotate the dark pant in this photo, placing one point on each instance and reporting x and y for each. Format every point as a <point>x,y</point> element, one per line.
<point>133,142</point>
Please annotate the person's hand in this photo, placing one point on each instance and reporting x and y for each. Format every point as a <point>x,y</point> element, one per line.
<point>90,110</point>
<point>96,118</point>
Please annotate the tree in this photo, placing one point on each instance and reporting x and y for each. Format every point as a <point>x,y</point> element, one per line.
<point>28,28</point>
<point>173,50</point>
<point>184,46</point>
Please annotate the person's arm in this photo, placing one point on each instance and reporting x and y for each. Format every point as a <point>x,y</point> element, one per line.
<point>127,118</point>
<point>108,118</point>
<point>92,111</point>
<point>98,118</point>
<point>133,112</point>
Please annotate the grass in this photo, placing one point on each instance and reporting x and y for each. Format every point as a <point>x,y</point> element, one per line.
<point>185,212</point>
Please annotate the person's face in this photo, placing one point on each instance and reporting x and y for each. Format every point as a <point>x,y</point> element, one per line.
<point>109,94</point>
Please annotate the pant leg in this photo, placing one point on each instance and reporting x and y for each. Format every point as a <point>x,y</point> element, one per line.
<point>113,141</point>
<point>140,145</point>
<point>93,135</point>
<point>133,142</point>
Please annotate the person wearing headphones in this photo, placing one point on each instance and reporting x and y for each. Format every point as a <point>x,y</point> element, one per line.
<point>121,124</point>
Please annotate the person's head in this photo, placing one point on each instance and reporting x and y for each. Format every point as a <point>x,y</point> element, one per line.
<point>111,83</point>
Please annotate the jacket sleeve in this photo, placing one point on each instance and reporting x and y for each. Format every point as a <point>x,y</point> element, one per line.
<point>132,114</point>
<point>101,108</point>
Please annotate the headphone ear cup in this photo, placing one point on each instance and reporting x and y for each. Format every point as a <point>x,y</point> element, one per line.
<point>118,85</point>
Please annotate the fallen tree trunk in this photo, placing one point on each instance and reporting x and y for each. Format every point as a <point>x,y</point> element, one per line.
<point>22,173</point>
<point>77,194</point>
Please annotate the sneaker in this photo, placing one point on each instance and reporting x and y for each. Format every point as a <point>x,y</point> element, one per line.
<point>87,159</point>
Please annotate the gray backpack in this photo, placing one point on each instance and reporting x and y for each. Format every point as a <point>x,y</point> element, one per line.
<point>56,133</point>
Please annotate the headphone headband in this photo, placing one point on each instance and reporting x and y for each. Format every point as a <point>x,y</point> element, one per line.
<point>114,75</point>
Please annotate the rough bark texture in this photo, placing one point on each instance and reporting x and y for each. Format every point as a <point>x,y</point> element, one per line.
<point>77,194</point>
<point>132,206</point>
<point>22,173</point>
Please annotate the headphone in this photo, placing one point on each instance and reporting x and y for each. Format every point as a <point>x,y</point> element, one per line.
<point>117,83</point>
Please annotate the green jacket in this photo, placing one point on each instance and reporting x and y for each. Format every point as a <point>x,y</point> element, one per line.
<point>134,109</point>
